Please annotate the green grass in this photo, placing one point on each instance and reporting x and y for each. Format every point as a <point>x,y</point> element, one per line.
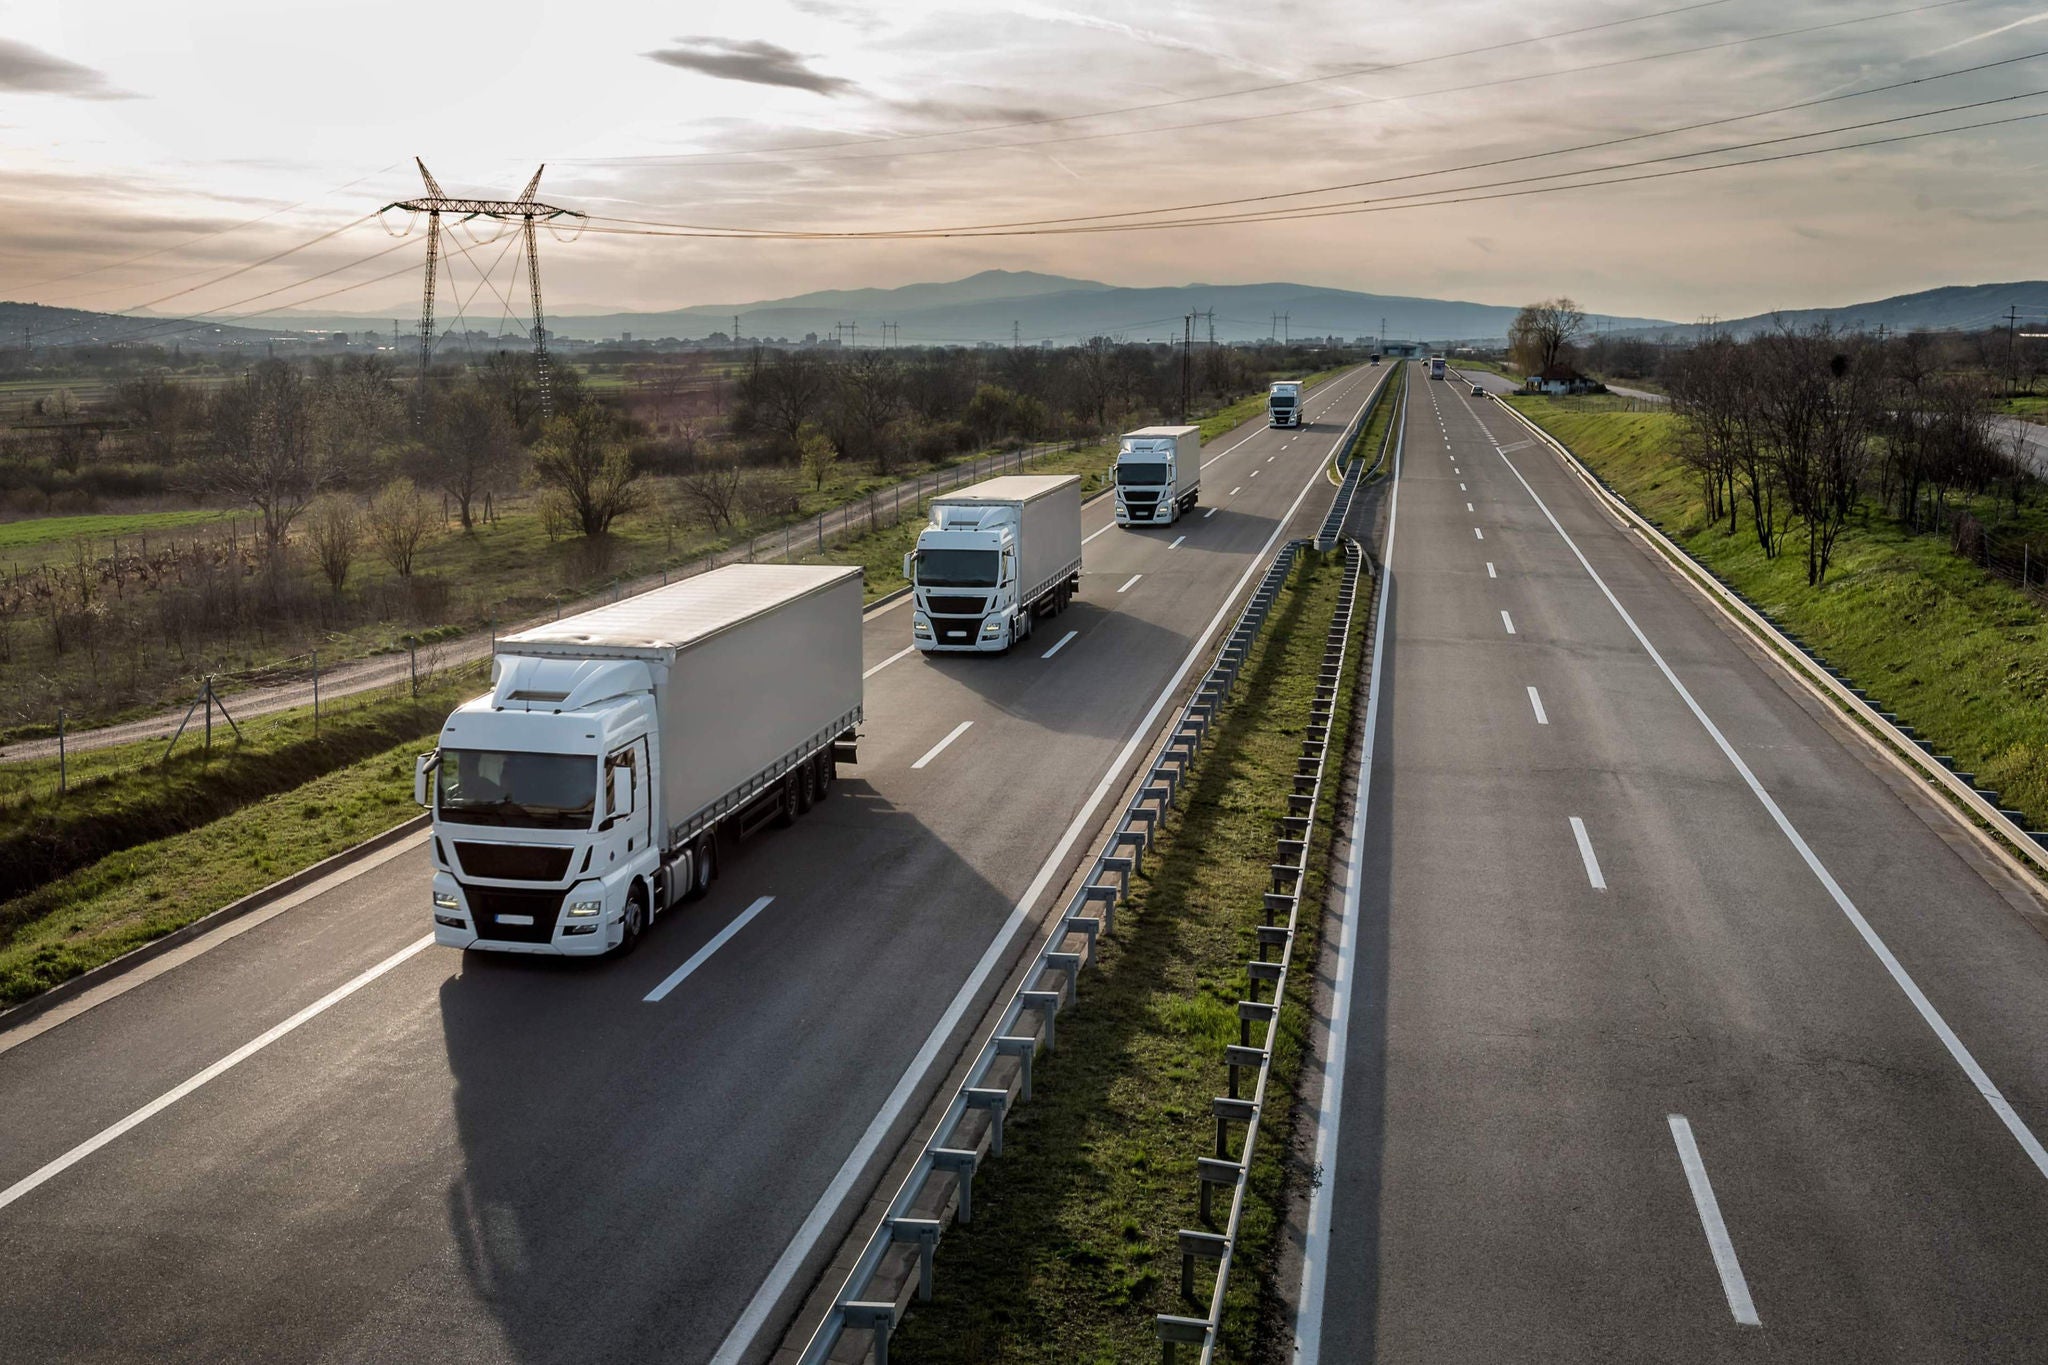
<point>2032,406</point>
<point>1958,654</point>
<point>15,535</point>
<point>121,902</point>
<point>1072,1247</point>
<point>1367,446</point>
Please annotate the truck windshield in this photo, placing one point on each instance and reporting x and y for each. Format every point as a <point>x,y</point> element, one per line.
<point>1140,475</point>
<point>1283,400</point>
<point>525,791</point>
<point>938,568</point>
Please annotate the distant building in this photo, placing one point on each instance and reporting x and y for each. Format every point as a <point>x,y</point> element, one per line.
<point>625,338</point>
<point>1558,381</point>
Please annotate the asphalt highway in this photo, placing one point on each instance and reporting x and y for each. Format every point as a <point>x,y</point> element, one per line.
<point>1676,1024</point>
<point>323,1139</point>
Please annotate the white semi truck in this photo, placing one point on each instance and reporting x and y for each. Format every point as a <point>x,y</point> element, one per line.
<point>1283,404</point>
<point>1158,475</point>
<point>590,789</point>
<point>1436,367</point>
<point>995,556</point>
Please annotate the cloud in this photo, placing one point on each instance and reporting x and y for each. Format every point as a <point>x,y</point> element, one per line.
<point>752,61</point>
<point>26,70</point>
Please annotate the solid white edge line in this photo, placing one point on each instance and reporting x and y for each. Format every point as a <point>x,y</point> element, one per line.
<point>1585,842</point>
<point>1507,621</point>
<point>776,1282</point>
<point>234,1059</point>
<point>1962,1055</point>
<point>1127,584</point>
<point>1308,1319</point>
<point>1718,1242</point>
<point>907,649</point>
<point>1064,640</point>
<point>1536,703</point>
<point>940,747</point>
<point>703,955</point>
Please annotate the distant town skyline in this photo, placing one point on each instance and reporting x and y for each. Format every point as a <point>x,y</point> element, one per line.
<point>152,149</point>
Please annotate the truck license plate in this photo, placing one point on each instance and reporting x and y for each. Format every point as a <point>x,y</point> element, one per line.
<point>515,919</point>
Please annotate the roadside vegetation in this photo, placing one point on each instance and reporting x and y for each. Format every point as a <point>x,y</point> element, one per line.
<point>1072,1249</point>
<point>182,520</point>
<point>1886,574</point>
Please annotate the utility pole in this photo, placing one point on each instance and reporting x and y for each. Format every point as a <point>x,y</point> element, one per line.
<point>735,329</point>
<point>1015,333</point>
<point>525,211</point>
<point>1286,339</point>
<point>1187,371</point>
<point>1273,334</point>
<point>2012,349</point>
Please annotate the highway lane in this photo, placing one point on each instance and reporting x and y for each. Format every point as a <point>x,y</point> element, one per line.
<point>504,1159</point>
<point>1578,923</point>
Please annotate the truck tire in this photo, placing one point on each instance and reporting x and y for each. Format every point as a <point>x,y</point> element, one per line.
<point>703,867</point>
<point>806,788</point>
<point>636,921</point>
<point>828,772</point>
<point>786,803</point>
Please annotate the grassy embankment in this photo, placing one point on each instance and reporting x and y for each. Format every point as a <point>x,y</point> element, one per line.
<point>248,817</point>
<point>1072,1249</point>
<point>1958,654</point>
<point>1367,446</point>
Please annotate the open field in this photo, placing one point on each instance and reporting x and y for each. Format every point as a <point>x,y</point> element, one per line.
<point>1072,1247</point>
<point>1957,653</point>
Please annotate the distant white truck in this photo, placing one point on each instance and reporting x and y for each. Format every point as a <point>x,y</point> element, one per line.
<point>1436,367</point>
<point>994,557</point>
<point>1158,475</point>
<point>587,791</point>
<point>1283,404</point>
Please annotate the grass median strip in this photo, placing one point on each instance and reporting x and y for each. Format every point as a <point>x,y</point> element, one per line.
<point>1072,1249</point>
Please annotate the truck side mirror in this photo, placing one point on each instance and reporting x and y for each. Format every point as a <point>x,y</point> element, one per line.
<point>422,770</point>
<point>909,561</point>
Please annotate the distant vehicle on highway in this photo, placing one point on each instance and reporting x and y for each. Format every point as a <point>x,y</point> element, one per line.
<point>1375,357</point>
<point>586,792</point>
<point>995,556</point>
<point>1479,391</point>
<point>1283,404</point>
<point>1158,474</point>
<point>1436,367</point>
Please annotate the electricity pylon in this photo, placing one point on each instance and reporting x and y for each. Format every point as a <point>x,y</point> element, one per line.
<point>528,213</point>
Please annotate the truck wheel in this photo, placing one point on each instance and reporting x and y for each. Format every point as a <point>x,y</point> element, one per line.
<point>785,803</point>
<point>636,921</point>
<point>828,772</point>
<point>703,867</point>
<point>806,788</point>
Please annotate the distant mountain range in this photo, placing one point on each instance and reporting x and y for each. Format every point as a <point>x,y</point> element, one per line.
<point>995,305</point>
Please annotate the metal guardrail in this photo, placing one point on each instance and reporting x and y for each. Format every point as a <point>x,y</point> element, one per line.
<point>895,1265</point>
<point>1357,471</point>
<point>1294,835</point>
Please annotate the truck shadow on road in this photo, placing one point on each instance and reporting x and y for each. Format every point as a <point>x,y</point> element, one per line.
<point>632,1170</point>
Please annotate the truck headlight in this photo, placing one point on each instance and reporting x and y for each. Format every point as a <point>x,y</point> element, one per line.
<point>585,909</point>
<point>920,626</point>
<point>447,900</point>
<point>993,628</point>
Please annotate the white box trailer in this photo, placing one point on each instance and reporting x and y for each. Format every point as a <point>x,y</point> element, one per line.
<point>995,556</point>
<point>585,793</point>
<point>1158,475</point>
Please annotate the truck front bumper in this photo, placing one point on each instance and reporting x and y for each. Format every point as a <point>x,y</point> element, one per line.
<point>942,638</point>
<point>457,926</point>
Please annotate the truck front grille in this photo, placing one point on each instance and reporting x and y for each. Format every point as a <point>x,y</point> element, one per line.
<point>488,903</point>
<point>956,606</point>
<point>514,862</point>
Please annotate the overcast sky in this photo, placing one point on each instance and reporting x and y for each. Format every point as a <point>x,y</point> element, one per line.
<point>134,128</point>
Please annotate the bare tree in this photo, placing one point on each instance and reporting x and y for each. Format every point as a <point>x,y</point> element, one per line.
<point>1542,332</point>
<point>336,530</point>
<point>400,520</point>
<point>264,450</point>
<point>868,397</point>
<point>581,459</point>
<point>713,494</point>
<point>470,447</point>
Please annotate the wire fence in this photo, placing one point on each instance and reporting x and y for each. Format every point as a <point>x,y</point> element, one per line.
<point>213,727</point>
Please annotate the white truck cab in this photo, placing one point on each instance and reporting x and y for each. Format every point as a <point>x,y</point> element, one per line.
<point>1158,475</point>
<point>995,557</point>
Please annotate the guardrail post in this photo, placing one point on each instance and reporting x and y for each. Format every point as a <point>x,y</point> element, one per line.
<point>1023,1047</point>
<point>879,1318</point>
<point>960,1164</point>
<point>996,1102</point>
<point>1047,1003</point>
<point>925,1232</point>
<point>1193,1244</point>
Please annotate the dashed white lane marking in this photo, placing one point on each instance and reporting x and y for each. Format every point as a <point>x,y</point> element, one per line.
<point>1064,639</point>
<point>1092,534</point>
<point>1468,507</point>
<point>1176,542</point>
<point>1235,491</point>
<point>1536,703</point>
<point>1489,570</point>
<point>1508,621</point>
<point>1586,854</point>
<point>703,955</point>
<point>940,747</point>
<point>907,649</point>
<point>1208,514</point>
<point>1133,579</point>
<point>1718,1242</point>
<point>1478,534</point>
